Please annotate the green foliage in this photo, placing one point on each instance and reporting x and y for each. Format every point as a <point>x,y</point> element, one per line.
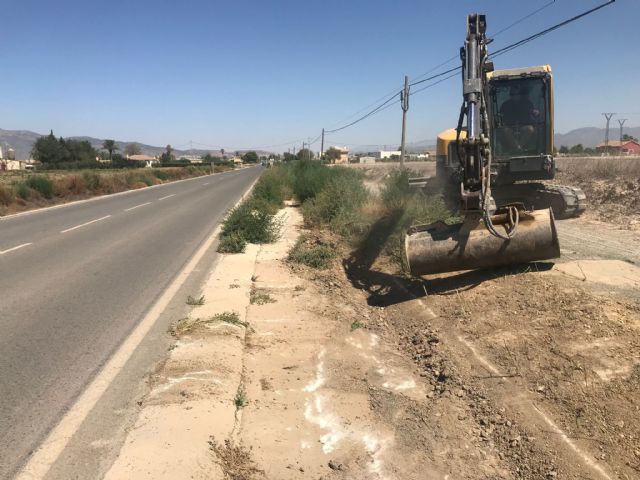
<point>160,174</point>
<point>564,149</point>
<point>168,156</point>
<point>272,188</point>
<point>308,178</point>
<point>577,149</point>
<point>241,400</point>
<point>109,146</point>
<point>250,157</point>
<point>253,221</point>
<point>331,155</point>
<point>305,154</point>
<point>132,149</point>
<point>22,190</point>
<point>311,255</point>
<point>232,243</point>
<point>341,197</point>
<point>195,300</point>
<point>51,150</point>
<point>40,184</point>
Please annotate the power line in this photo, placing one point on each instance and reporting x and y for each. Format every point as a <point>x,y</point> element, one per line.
<point>453,71</point>
<point>548,30</point>
<point>372,112</point>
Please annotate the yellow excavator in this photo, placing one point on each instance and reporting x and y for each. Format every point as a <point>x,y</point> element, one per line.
<point>494,163</point>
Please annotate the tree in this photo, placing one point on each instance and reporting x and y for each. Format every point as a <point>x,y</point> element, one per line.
<point>52,150</point>
<point>305,154</point>
<point>132,149</point>
<point>332,155</point>
<point>627,137</point>
<point>49,150</point>
<point>109,146</point>
<point>577,149</point>
<point>250,157</point>
<point>288,156</point>
<point>167,156</point>
<point>564,150</point>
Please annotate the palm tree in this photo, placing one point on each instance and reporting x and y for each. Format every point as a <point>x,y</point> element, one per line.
<point>109,146</point>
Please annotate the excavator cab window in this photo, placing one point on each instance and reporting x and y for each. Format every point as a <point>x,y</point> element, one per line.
<point>519,117</point>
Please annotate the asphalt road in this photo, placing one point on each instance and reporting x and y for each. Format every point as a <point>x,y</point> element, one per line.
<point>75,280</point>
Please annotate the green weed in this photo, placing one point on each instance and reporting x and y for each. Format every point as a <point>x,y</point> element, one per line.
<point>314,256</point>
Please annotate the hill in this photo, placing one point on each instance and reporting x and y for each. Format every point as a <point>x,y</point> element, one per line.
<point>22,141</point>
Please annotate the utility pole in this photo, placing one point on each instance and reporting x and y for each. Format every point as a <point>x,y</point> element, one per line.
<point>322,146</point>
<point>606,134</point>
<point>404,99</point>
<point>621,122</point>
<point>309,148</point>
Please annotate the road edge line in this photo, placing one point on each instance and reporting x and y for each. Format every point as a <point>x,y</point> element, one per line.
<point>47,453</point>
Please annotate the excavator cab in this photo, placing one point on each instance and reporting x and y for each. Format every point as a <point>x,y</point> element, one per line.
<point>520,112</point>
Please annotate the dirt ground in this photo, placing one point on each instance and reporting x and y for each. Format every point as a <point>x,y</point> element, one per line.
<point>357,372</point>
<point>611,184</point>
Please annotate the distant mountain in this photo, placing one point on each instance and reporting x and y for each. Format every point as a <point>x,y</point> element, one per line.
<point>592,136</point>
<point>22,142</point>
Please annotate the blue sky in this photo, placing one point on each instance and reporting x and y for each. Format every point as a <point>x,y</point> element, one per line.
<point>241,73</point>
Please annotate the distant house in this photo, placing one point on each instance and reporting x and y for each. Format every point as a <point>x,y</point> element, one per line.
<point>344,154</point>
<point>237,161</point>
<point>149,161</point>
<point>626,147</point>
<point>382,154</point>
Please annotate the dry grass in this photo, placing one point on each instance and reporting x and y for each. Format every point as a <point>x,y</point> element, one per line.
<point>598,168</point>
<point>235,460</point>
<point>22,190</point>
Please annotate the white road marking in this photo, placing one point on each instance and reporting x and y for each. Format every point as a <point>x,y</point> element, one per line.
<point>137,206</point>
<point>49,451</point>
<point>85,224</point>
<point>205,184</point>
<point>2,252</point>
<point>167,196</point>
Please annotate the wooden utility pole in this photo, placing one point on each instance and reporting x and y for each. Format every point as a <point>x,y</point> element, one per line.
<point>322,146</point>
<point>404,99</point>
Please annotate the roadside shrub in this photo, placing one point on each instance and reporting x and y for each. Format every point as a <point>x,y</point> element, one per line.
<point>271,188</point>
<point>92,180</point>
<point>162,175</point>
<point>232,243</point>
<point>40,184</point>
<point>22,191</point>
<point>338,203</point>
<point>312,255</point>
<point>308,178</point>
<point>253,221</point>
<point>6,195</point>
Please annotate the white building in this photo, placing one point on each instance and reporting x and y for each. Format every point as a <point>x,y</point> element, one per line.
<point>382,154</point>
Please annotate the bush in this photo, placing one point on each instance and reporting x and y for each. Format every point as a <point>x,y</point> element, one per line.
<point>160,174</point>
<point>340,199</point>
<point>271,188</point>
<point>40,184</point>
<point>22,190</point>
<point>314,256</point>
<point>253,221</point>
<point>232,243</point>
<point>308,178</point>
<point>6,195</point>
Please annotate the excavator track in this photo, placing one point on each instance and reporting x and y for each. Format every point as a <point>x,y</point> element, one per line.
<point>566,201</point>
